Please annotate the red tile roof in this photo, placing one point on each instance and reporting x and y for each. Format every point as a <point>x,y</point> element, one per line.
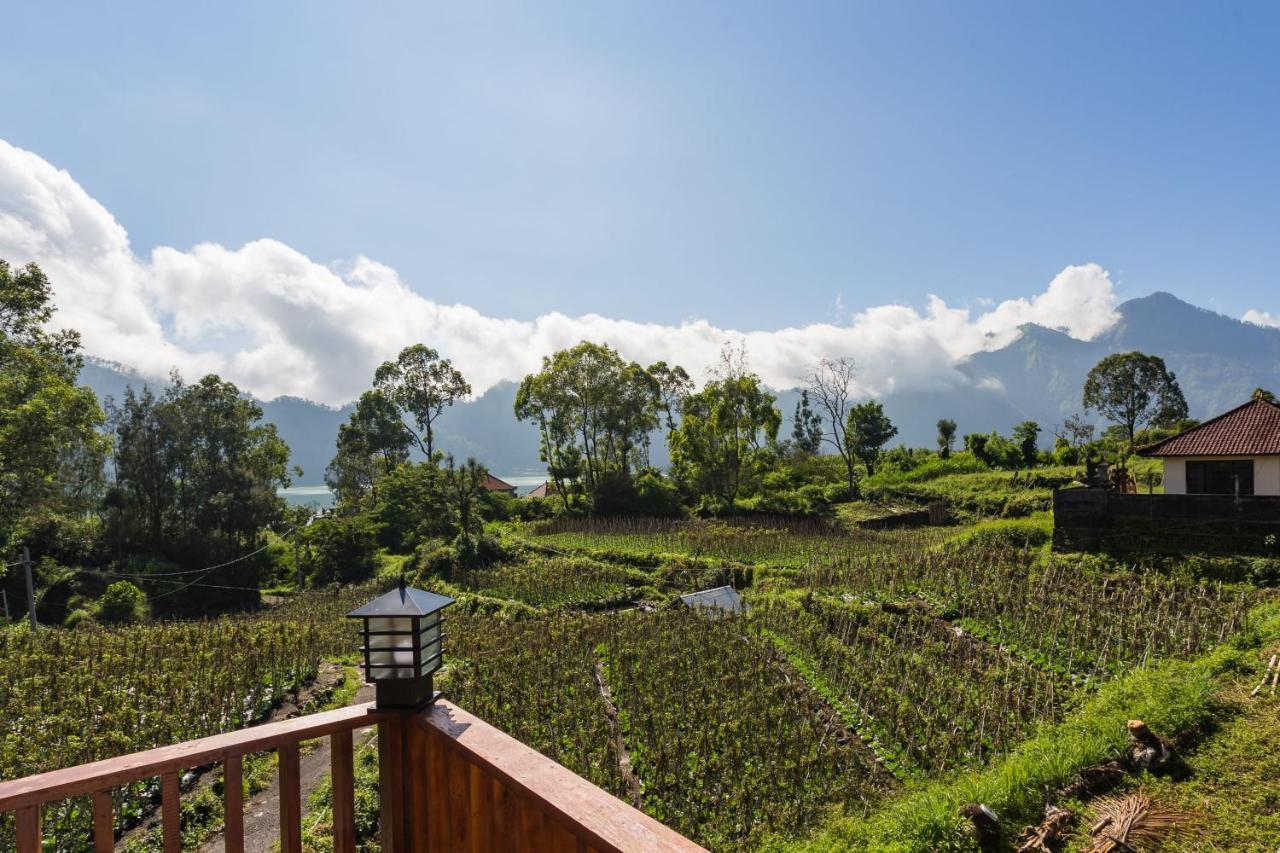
<point>1249,430</point>
<point>493,484</point>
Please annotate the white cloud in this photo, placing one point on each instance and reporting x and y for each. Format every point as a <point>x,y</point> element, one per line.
<point>1261,318</point>
<point>276,322</point>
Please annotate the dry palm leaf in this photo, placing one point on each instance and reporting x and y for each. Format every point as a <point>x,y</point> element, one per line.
<point>1132,822</point>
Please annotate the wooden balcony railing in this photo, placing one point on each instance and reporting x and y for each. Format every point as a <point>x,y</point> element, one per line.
<point>447,781</point>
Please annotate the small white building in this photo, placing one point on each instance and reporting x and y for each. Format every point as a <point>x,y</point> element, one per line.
<point>1236,453</point>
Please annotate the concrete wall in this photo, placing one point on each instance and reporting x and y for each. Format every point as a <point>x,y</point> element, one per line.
<point>1266,473</point>
<point>1097,519</point>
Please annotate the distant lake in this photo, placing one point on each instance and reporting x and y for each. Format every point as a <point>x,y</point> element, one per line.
<point>320,496</point>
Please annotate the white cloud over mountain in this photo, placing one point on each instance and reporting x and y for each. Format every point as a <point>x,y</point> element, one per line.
<point>276,322</point>
<point>1261,318</point>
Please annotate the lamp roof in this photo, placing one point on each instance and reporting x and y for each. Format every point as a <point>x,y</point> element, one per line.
<point>403,601</point>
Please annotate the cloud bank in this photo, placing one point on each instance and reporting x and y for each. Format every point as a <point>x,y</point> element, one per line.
<point>1261,318</point>
<point>276,322</point>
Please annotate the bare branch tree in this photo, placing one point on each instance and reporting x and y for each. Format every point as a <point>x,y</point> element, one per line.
<point>830,383</point>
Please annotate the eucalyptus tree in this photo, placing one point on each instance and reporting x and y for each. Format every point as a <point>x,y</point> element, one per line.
<point>594,412</point>
<point>371,444</point>
<point>51,452</point>
<point>726,431</point>
<point>421,384</point>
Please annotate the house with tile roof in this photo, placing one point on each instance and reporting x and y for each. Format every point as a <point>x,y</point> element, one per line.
<point>493,484</point>
<point>1236,453</point>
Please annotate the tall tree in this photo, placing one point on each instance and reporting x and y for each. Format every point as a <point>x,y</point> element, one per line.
<point>594,413</point>
<point>371,444</point>
<point>727,426</point>
<point>1134,389</point>
<point>1026,435</point>
<point>946,437</point>
<point>674,385</point>
<point>806,426</point>
<point>50,449</point>
<point>464,484</point>
<point>867,430</point>
<point>423,385</point>
<point>831,384</point>
<point>196,476</point>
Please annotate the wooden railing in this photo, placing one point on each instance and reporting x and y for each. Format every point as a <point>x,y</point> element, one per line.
<point>447,781</point>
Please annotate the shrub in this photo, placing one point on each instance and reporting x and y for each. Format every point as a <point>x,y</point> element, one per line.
<point>343,549</point>
<point>121,604</point>
<point>78,617</point>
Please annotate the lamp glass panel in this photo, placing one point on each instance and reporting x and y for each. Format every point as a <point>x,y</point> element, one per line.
<point>390,623</point>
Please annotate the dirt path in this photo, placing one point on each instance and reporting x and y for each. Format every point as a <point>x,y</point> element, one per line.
<point>262,811</point>
<point>635,788</point>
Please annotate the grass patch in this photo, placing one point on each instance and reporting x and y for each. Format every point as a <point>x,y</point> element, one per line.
<point>1171,696</point>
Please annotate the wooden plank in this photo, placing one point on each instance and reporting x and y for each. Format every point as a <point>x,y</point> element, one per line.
<point>531,827</point>
<point>417,788</point>
<point>28,829</point>
<point>482,822</point>
<point>233,805</point>
<point>121,770</point>
<point>435,775</point>
<point>290,799</point>
<point>171,812</point>
<point>458,790</point>
<point>391,784</point>
<point>594,815</point>
<point>104,837</point>
<point>342,774</point>
<point>505,816</point>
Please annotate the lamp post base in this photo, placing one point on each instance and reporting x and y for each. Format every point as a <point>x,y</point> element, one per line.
<point>404,694</point>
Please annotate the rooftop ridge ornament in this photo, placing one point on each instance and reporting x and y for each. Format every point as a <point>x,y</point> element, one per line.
<point>403,645</point>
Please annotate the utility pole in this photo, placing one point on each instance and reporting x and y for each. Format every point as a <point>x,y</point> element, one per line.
<point>31,588</point>
<point>4,597</point>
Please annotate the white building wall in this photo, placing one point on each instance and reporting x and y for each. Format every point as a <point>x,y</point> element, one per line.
<point>1175,476</point>
<point>1266,473</point>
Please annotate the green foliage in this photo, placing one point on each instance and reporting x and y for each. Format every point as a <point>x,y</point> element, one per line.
<point>867,430</point>
<point>122,604</point>
<point>1171,697</point>
<point>372,444</point>
<point>946,437</point>
<point>594,413</point>
<point>1026,435</point>
<point>341,549</point>
<point>1133,389</point>
<point>1033,532</point>
<point>806,426</point>
<point>422,384</point>
<point>722,445</point>
<point>51,452</point>
<point>195,479</point>
<point>957,463</point>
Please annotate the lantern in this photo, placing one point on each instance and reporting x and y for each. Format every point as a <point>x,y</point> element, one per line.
<point>403,645</point>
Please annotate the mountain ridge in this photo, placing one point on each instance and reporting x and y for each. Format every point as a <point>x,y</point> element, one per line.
<point>1219,360</point>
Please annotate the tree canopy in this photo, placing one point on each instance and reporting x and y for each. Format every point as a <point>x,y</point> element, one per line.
<point>51,452</point>
<point>1134,389</point>
<point>423,385</point>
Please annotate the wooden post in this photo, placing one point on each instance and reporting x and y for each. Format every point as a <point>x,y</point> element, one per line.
<point>104,840</point>
<point>342,774</point>
<point>171,812</point>
<point>233,804</point>
<point>391,784</point>
<point>290,799</point>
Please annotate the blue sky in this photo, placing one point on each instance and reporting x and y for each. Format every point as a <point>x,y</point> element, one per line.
<point>751,164</point>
